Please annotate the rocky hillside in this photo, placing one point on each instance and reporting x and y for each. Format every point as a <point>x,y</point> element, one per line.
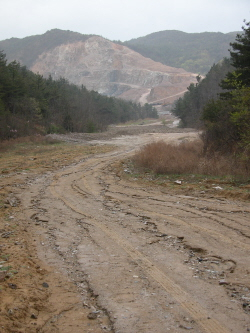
<point>106,67</point>
<point>27,50</point>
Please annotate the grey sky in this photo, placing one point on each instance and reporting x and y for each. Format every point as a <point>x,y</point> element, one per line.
<point>120,19</point>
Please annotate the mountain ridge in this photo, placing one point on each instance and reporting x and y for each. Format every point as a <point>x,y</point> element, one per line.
<point>111,68</point>
<point>195,52</point>
<point>145,45</point>
<point>43,42</point>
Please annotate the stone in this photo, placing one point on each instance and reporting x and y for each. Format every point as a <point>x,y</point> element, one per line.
<point>41,219</point>
<point>223,282</point>
<point>186,327</point>
<point>92,315</point>
<point>218,188</point>
<point>12,285</point>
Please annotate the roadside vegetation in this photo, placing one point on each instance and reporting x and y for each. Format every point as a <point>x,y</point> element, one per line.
<point>224,114</point>
<point>189,108</point>
<point>188,158</point>
<point>184,169</point>
<point>224,148</point>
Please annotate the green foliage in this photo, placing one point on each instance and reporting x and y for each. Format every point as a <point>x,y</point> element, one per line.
<point>30,103</point>
<point>220,134</point>
<point>195,52</point>
<point>91,127</point>
<point>189,108</point>
<point>52,128</point>
<point>227,120</point>
<point>68,123</point>
<point>240,55</point>
<point>240,116</point>
<point>240,59</point>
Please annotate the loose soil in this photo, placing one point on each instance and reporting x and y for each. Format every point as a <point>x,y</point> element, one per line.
<point>87,246</point>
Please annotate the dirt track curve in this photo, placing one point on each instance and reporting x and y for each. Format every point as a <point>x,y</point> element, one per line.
<point>153,260</point>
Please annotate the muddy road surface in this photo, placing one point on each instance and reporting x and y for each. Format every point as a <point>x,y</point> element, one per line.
<point>141,258</point>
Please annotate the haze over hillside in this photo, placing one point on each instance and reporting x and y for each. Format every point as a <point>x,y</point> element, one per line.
<point>26,50</point>
<point>195,52</point>
<point>113,69</point>
<point>99,64</point>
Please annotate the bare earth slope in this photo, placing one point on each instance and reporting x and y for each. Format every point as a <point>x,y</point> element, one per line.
<point>113,70</point>
<point>135,258</point>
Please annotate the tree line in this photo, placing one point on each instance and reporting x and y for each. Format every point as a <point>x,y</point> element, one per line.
<point>30,103</point>
<point>220,104</point>
<point>189,108</point>
<point>194,52</point>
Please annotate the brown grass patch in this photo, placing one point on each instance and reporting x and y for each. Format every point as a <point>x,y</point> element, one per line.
<point>165,158</point>
<point>39,154</point>
<point>188,158</point>
<point>6,145</point>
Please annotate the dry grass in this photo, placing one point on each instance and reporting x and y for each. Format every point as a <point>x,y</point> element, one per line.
<point>188,158</point>
<point>35,139</point>
<point>184,170</point>
<point>39,154</point>
<point>164,158</point>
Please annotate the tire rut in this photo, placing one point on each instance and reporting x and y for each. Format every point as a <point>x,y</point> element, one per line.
<point>90,185</point>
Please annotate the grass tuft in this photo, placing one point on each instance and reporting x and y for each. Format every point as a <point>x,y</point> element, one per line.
<point>189,158</point>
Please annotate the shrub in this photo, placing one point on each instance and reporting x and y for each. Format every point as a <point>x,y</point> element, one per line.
<point>189,158</point>
<point>162,157</point>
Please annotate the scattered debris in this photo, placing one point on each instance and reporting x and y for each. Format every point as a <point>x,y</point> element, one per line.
<point>218,188</point>
<point>13,202</point>
<point>186,327</point>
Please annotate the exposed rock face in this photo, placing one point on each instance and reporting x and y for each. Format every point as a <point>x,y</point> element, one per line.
<point>114,70</point>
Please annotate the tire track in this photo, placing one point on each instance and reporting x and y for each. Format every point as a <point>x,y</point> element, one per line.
<point>198,313</point>
<point>85,180</point>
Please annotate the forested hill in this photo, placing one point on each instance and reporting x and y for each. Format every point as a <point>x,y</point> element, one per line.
<point>31,104</point>
<point>189,108</point>
<point>27,49</point>
<point>194,52</point>
<point>98,64</point>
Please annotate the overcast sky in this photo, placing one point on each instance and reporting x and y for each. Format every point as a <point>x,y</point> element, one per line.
<point>120,19</point>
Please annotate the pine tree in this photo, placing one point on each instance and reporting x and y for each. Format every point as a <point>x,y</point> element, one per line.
<point>227,120</point>
<point>240,60</point>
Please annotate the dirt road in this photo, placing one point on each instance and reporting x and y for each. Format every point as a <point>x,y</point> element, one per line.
<point>142,259</point>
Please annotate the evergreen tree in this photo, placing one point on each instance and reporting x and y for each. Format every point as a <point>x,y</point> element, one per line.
<point>227,120</point>
<point>32,104</point>
<point>189,108</point>
<point>240,59</point>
